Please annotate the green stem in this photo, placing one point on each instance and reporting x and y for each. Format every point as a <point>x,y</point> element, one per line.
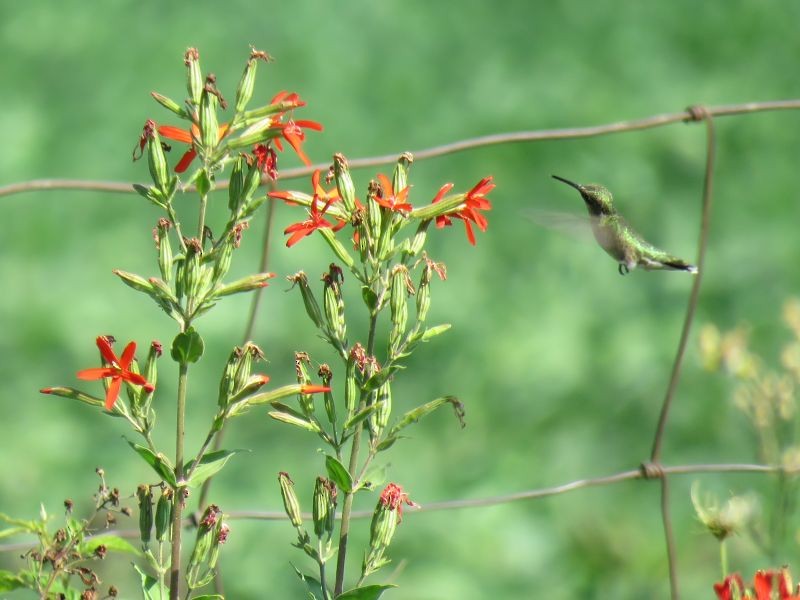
<point>323,584</point>
<point>175,567</point>
<point>347,506</point>
<point>201,220</point>
<point>174,218</point>
<point>723,558</point>
<point>162,590</point>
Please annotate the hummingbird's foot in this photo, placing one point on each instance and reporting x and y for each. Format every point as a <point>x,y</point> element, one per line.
<point>623,269</point>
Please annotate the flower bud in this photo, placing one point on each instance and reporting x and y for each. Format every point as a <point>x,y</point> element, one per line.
<point>145,498</point>
<point>310,302</point>
<point>344,183</point>
<point>161,237</point>
<point>246,284</point>
<point>170,105</point>
<point>192,272</point>
<point>324,510</point>
<point>207,531</point>
<point>399,289</point>
<point>164,516</point>
<point>418,241</point>
<point>290,502</point>
<point>194,78</point>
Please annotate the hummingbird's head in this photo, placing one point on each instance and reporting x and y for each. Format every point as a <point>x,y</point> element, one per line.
<point>597,198</point>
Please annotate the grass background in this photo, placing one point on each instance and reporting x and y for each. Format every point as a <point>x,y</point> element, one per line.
<point>560,361</point>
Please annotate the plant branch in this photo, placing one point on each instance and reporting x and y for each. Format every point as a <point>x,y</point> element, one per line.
<point>175,568</point>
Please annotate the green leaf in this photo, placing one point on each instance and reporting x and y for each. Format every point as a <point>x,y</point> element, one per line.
<point>361,415</point>
<point>432,332</point>
<point>11,531</point>
<point>368,592</point>
<point>187,347</point>
<point>159,462</point>
<point>374,477</point>
<point>370,297</point>
<point>416,414</point>
<point>381,377</point>
<point>313,586</point>
<point>204,183</point>
<point>10,581</point>
<point>209,465</point>
<point>209,597</point>
<point>338,473</point>
<point>149,585</point>
<point>111,542</point>
<point>32,526</point>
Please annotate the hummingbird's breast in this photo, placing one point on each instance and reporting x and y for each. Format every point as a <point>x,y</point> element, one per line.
<point>608,235</point>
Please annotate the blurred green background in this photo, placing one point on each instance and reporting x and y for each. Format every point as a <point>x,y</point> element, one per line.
<point>561,362</point>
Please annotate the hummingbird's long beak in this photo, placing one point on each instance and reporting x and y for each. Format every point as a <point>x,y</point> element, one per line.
<point>568,182</point>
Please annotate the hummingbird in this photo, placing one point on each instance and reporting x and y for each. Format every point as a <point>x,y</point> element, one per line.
<point>618,239</point>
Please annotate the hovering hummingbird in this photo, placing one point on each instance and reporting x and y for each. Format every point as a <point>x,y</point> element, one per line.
<point>617,238</point>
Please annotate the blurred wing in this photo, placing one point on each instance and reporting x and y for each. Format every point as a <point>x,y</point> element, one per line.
<point>575,226</point>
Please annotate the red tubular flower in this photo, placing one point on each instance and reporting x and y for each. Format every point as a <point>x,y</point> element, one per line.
<point>118,370</point>
<point>474,201</point>
<point>186,137</point>
<point>314,389</point>
<point>396,202</point>
<point>393,497</point>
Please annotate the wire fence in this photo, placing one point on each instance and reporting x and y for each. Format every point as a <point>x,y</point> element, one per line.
<point>650,469</point>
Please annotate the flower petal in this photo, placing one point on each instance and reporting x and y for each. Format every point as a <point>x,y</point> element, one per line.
<point>96,373</point>
<point>113,392</point>
<point>175,133</point>
<point>105,349</point>
<point>127,356</point>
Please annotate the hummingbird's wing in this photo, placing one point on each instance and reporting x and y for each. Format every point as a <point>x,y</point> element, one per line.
<point>576,226</point>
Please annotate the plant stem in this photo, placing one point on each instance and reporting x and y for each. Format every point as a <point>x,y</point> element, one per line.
<point>201,220</point>
<point>177,507</point>
<point>347,506</point>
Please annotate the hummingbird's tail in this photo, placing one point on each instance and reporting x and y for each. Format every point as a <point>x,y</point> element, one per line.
<point>679,265</point>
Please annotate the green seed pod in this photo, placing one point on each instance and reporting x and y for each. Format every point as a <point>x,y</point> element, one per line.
<point>344,183</point>
<point>323,508</point>
<point>236,187</point>
<point>251,183</point>
<point>379,419</point>
<point>290,502</point>
<point>145,498</point>
<point>227,381</point>
<point>245,284</point>
<point>222,258</point>
<point>374,217</point>
<point>400,175</point>
<point>398,296</point>
<point>424,295</point>
<point>180,277</point>
<point>310,302</point>
<point>244,365</point>
<point>418,241</point>
<point>326,375</point>
<point>334,305</point>
<point>164,516</point>
<point>221,532</point>
<point>206,534</point>
<point>156,160</point>
<point>194,78</point>
<point>244,92</point>
<point>161,236</point>
<point>209,126</point>
<point>192,275</point>
<point>355,360</point>
<point>301,360</point>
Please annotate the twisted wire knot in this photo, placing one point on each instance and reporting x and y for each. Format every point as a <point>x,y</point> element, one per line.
<point>696,113</point>
<point>651,470</point>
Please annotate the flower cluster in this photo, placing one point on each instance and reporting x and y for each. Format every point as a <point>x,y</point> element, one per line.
<point>767,585</point>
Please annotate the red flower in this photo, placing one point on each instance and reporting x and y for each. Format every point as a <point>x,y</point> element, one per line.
<point>266,160</point>
<point>315,221</point>
<point>395,202</point>
<point>733,586</point>
<point>474,201</point>
<point>293,133</point>
<point>118,369</point>
<point>393,497</point>
<point>187,137</point>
